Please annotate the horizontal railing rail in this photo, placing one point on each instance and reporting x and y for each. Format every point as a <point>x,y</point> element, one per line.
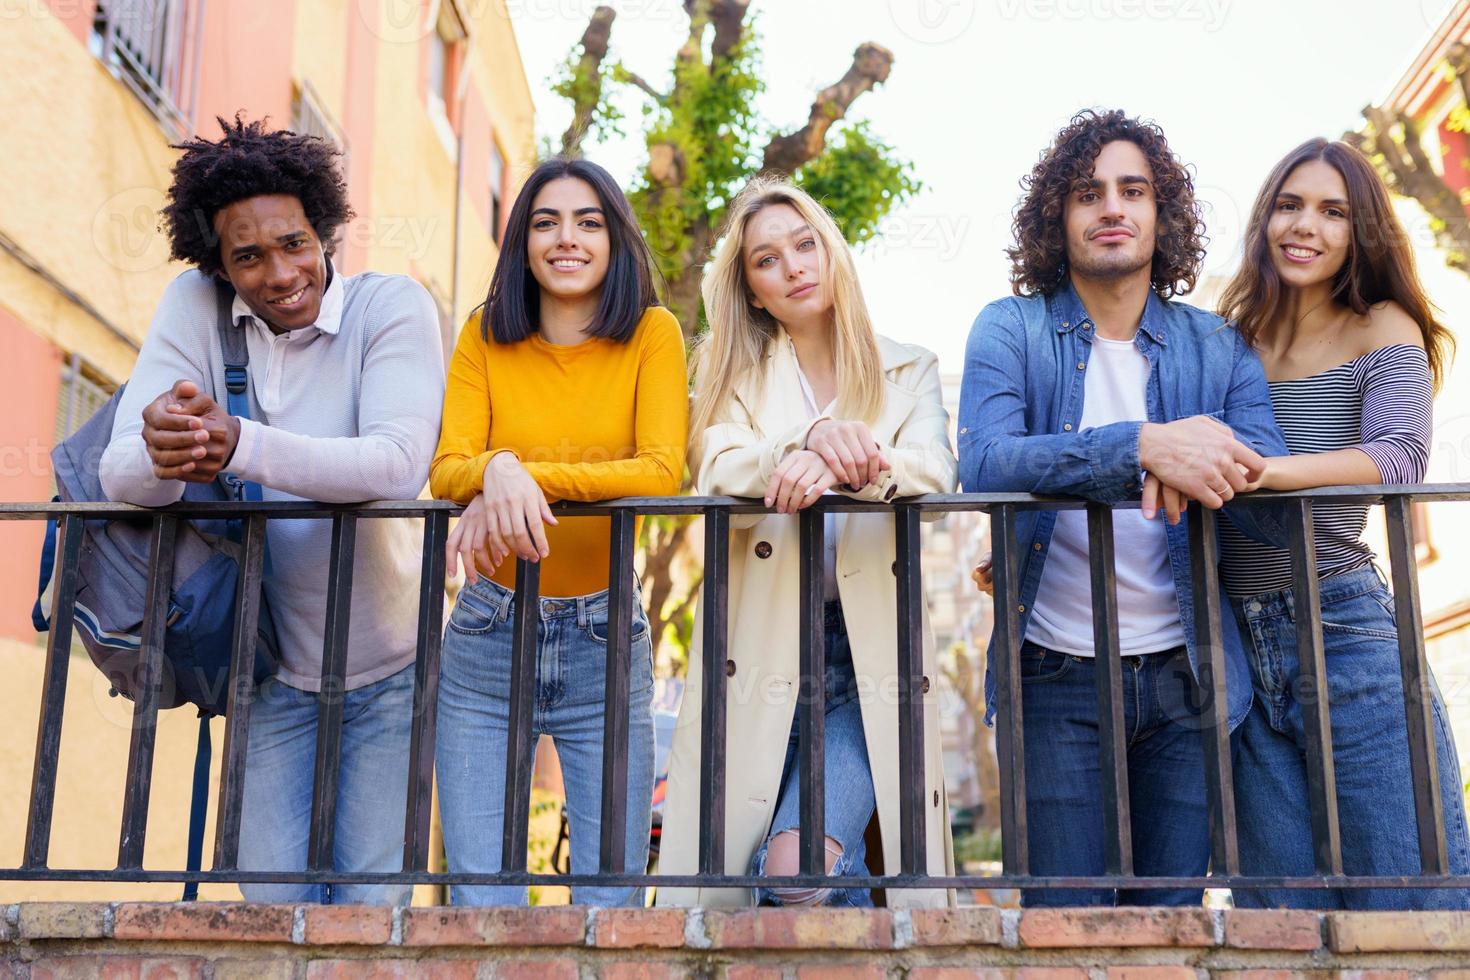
<point>1296,510</point>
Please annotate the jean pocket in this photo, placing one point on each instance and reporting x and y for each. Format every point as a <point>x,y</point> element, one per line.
<point>596,626</point>
<point>473,614</point>
<point>1368,614</point>
<point>1039,664</point>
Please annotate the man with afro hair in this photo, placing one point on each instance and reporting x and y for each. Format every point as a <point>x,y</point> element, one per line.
<point>346,383</point>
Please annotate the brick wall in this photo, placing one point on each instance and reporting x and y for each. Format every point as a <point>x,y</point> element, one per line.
<point>149,941</point>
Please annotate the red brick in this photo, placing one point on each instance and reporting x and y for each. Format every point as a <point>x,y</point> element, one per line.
<point>771,928</point>
<point>1151,973</point>
<point>750,971</point>
<point>395,969</point>
<point>112,967</point>
<point>341,925</point>
<point>1377,932</point>
<point>959,973</point>
<point>845,971</point>
<point>627,928</point>
<point>564,925</point>
<point>644,971</point>
<point>564,969</point>
<point>956,927</point>
<point>1270,974</point>
<point>256,969</point>
<point>1273,929</point>
<point>1041,928</point>
<point>1449,975</point>
<point>1051,973</point>
<point>63,920</point>
<point>226,922</point>
<point>1372,974</point>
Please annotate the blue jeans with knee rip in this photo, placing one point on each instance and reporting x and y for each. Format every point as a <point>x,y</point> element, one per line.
<point>848,786</point>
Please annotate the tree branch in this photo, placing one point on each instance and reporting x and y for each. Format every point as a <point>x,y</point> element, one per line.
<point>585,98</point>
<point>870,66</point>
<point>637,80</point>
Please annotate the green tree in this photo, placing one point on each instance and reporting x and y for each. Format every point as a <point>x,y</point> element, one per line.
<point>704,138</point>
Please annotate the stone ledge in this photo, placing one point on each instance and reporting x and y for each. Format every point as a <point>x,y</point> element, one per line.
<point>222,941</point>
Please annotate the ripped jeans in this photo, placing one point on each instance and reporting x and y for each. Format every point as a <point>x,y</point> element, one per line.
<point>848,785</point>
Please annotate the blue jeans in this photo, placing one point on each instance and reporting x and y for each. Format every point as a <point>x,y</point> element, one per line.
<point>848,797</point>
<point>372,789</point>
<point>1375,795</point>
<point>1166,782</point>
<point>570,701</point>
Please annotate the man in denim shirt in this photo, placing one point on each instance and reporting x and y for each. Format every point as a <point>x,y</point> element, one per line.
<point>1090,382</point>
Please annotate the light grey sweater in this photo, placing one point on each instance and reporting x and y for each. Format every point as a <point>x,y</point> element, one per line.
<point>342,411</point>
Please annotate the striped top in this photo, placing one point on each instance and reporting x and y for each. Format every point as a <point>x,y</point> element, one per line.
<point>1381,403</point>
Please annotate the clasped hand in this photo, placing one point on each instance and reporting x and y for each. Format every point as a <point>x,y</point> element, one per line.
<point>189,436</point>
<point>1196,458</point>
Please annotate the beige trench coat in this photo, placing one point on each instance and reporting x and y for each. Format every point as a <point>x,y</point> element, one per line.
<point>738,457</point>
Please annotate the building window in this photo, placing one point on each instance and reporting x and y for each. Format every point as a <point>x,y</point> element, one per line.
<point>152,46</point>
<point>447,42</point>
<point>497,190</point>
<point>83,391</point>
<point>309,116</point>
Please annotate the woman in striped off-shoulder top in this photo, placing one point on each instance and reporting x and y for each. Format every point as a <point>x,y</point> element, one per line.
<point>1328,295</point>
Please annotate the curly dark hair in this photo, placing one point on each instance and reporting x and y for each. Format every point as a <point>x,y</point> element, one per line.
<point>248,161</point>
<point>1039,257</point>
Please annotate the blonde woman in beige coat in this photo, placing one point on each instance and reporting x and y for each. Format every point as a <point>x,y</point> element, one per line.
<point>796,396</point>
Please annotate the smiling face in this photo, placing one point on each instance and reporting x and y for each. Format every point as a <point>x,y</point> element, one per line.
<point>1111,217</point>
<point>1309,231</point>
<point>568,246</point>
<point>782,260</point>
<point>274,259</point>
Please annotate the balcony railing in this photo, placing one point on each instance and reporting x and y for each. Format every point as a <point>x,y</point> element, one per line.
<point>716,512</point>
<point>153,47</point>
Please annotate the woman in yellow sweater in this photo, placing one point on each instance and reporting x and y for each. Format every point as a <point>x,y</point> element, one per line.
<point>568,384</point>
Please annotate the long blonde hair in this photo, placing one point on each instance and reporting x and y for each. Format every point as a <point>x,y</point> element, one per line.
<point>740,334</point>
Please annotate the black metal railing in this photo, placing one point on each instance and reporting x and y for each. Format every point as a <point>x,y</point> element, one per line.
<point>716,512</point>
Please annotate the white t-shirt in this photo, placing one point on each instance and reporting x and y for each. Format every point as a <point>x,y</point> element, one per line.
<point>832,522</point>
<point>1148,609</point>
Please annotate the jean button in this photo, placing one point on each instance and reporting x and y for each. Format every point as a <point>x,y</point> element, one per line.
<point>1253,607</point>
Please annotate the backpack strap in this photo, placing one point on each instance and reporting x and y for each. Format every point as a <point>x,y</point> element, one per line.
<point>237,376</point>
<point>198,807</point>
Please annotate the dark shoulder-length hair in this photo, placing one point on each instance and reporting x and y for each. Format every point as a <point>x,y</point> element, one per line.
<point>512,310</point>
<point>1039,255</point>
<point>1379,266</point>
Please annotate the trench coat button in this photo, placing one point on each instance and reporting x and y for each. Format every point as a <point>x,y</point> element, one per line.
<point>729,668</point>
<point>924,687</point>
<point>891,492</point>
<point>936,797</point>
<point>893,568</point>
<point>763,549</point>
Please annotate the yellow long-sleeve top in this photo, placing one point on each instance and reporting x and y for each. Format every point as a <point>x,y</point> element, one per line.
<point>590,421</point>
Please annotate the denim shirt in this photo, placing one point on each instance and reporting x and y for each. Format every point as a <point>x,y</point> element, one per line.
<point>1020,413</point>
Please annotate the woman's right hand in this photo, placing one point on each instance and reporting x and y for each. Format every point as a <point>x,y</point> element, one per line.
<point>984,577</point>
<point>799,481</point>
<point>515,508</point>
<point>849,450</point>
<point>469,541</point>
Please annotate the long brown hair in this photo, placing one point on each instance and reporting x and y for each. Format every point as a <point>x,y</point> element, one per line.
<point>1379,266</point>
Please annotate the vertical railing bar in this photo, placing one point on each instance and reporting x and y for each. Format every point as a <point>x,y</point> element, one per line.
<point>1313,696</point>
<point>715,636</point>
<point>418,810</point>
<point>1108,653</point>
<point>1010,747</point>
<point>53,694</point>
<point>147,691</point>
<point>812,692</point>
<point>239,695</point>
<point>613,849</point>
<point>520,751</point>
<point>331,698</point>
<point>1418,699</point>
<point>912,826</point>
<point>1204,571</point>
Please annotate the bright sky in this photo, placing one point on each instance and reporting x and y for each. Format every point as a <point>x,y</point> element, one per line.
<point>979,87</point>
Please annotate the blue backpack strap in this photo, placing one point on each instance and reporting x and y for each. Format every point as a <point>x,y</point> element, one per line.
<point>41,611</point>
<point>198,807</point>
<point>237,395</point>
